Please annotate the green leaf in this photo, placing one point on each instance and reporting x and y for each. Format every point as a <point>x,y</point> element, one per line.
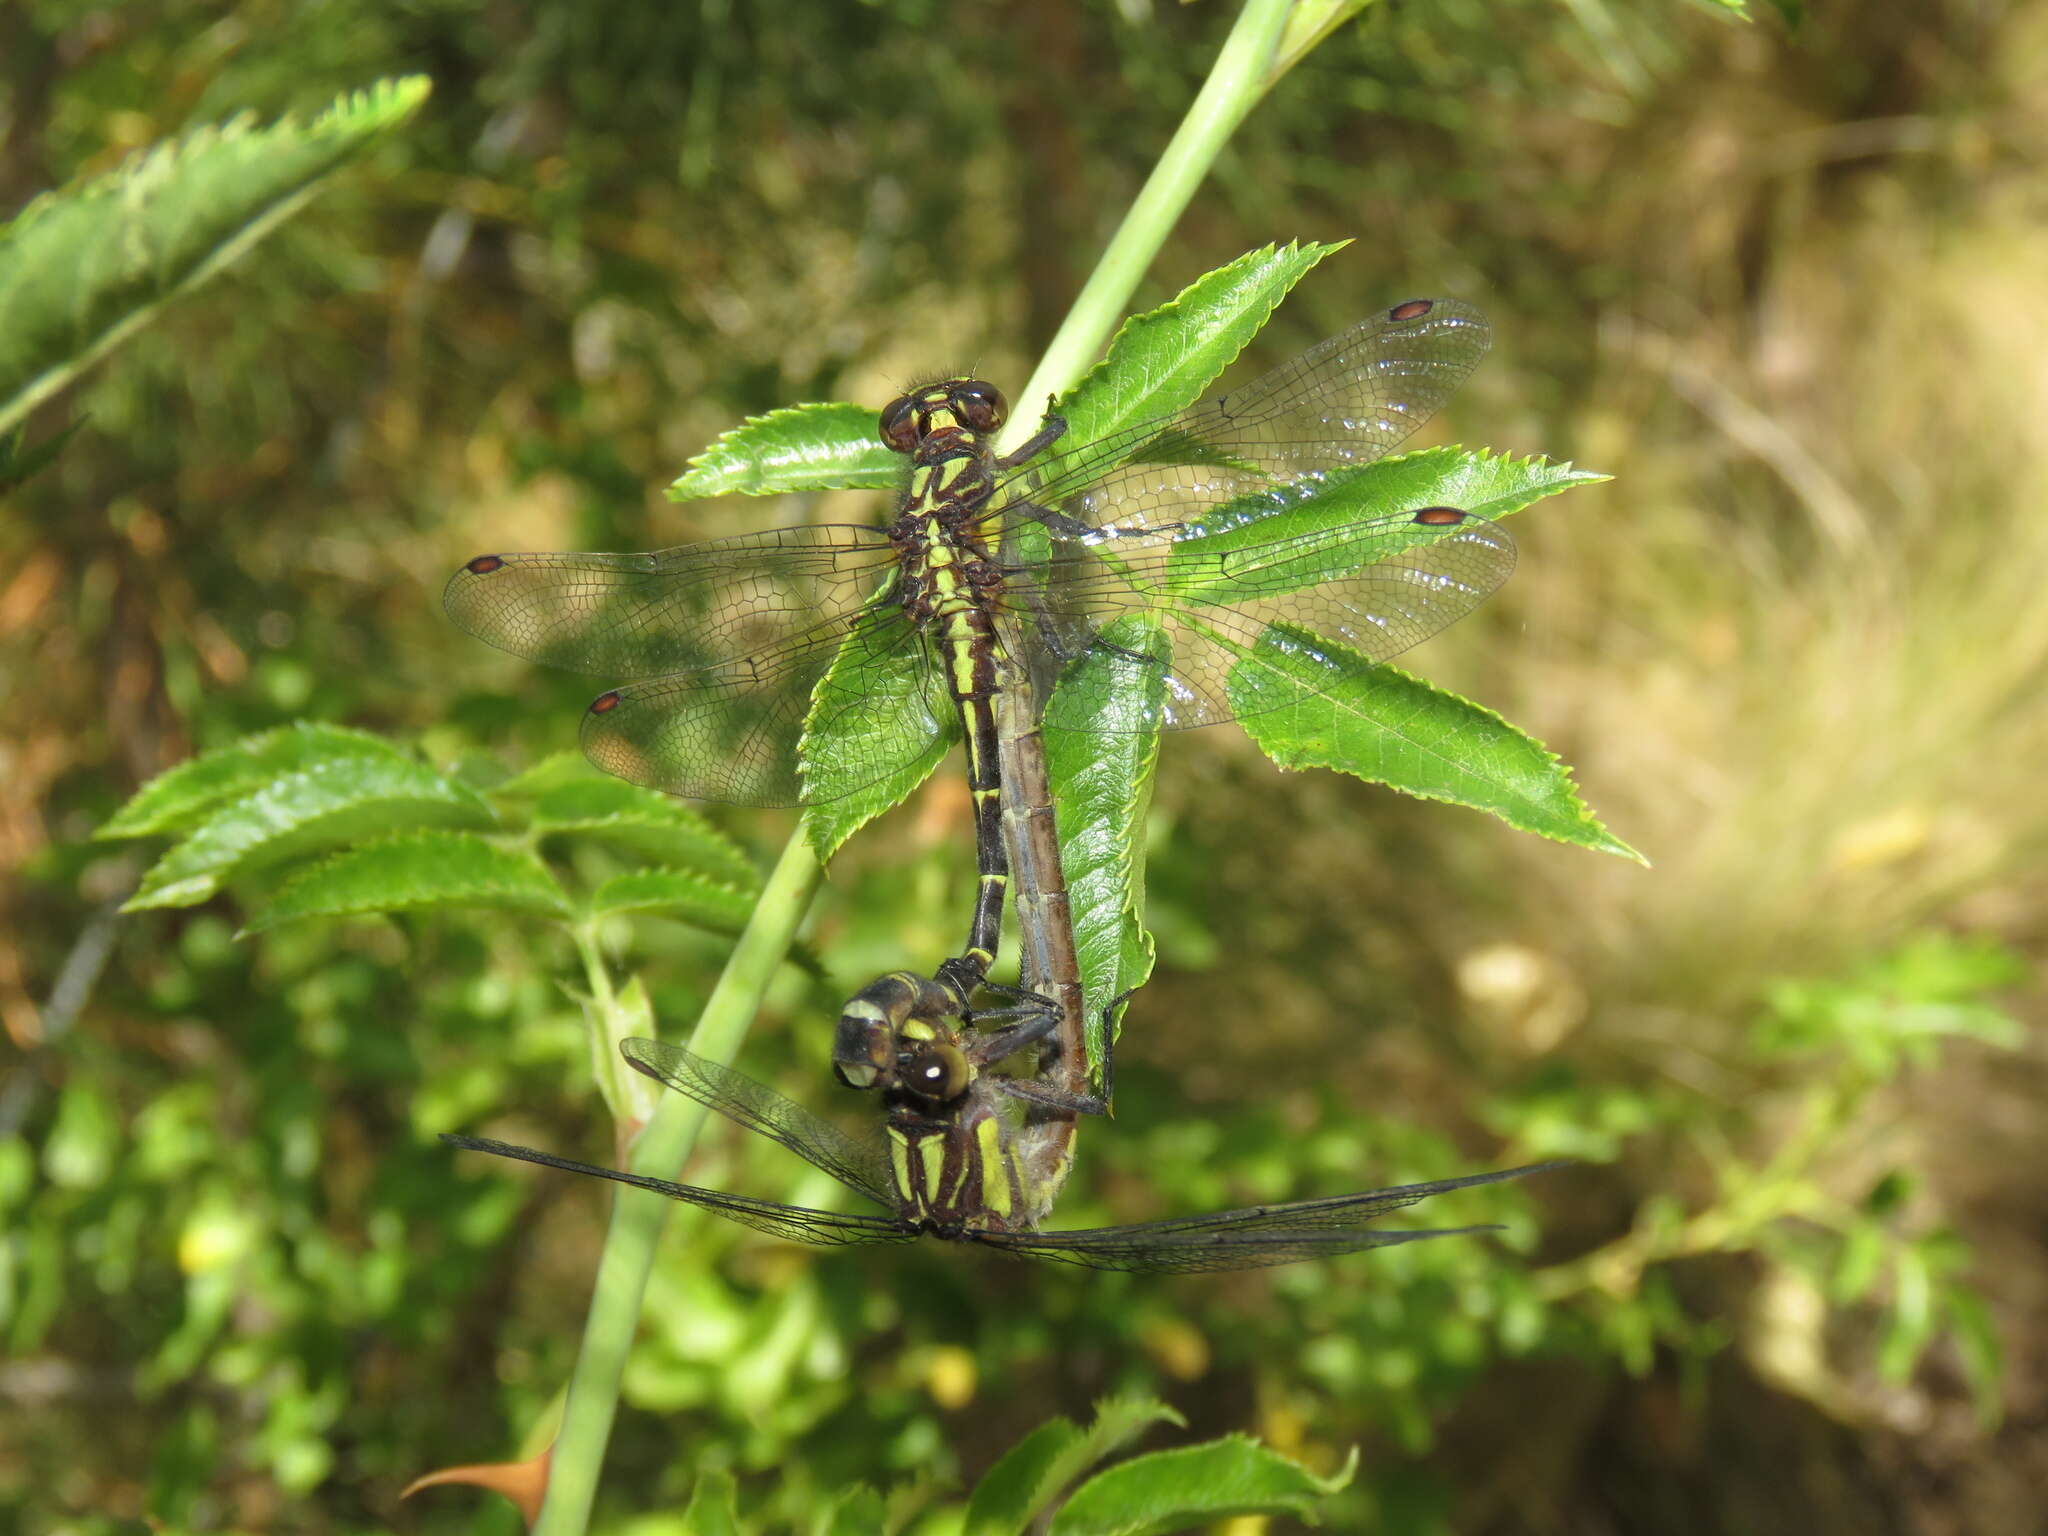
<point>1176,1490</point>
<point>820,447</point>
<point>17,464</point>
<point>858,1512</point>
<point>1018,1486</point>
<point>1298,696</point>
<point>415,870</point>
<point>878,694</point>
<point>182,797</point>
<point>1101,767</point>
<point>643,822</point>
<point>83,268</point>
<point>1979,1350</point>
<point>675,893</point>
<point>1339,523</point>
<point>1039,1467</point>
<point>335,801</point>
<point>551,772</point>
<point>714,1507</point>
<point>1162,360</point>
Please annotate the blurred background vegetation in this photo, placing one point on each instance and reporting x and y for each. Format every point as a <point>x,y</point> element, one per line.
<point>1784,286</point>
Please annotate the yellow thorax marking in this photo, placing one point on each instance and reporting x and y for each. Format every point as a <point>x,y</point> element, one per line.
<point>899,1163</point>
<point>995,1171</point>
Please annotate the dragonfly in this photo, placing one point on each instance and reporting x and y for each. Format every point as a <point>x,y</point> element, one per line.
<point>962,1175</point>
<point>892,1035</point>
<point>883,640</point>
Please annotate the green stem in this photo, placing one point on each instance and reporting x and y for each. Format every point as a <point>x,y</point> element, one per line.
<point>1239,77</point>
<point>1235,84</point>
<point>637,1216</point>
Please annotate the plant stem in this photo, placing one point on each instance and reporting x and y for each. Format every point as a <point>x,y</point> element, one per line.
<point>1237,80</point>
<point>638,1216</point>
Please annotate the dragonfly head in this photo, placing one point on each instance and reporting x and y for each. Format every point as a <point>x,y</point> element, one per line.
<point>893,1035</point>
<point>911,1063</point>
<point>948,407</point>
<point>888,1028</point>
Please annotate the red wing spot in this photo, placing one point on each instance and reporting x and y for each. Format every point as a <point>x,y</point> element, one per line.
<point>1439,517</point>
<point>605,703</point>
<point>483,565</point>
<point>1414,309</point>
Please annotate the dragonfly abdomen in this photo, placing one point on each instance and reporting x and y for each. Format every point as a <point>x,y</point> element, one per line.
<point>950,597</point>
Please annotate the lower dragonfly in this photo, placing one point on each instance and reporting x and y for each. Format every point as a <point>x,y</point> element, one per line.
<point>898,1034</point>
<point>959,1176</point>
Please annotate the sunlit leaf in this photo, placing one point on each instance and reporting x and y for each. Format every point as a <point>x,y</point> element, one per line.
<point>416,870</point>
<point>878,694</point>
<point>1180,1489</point>
<point>674,893</point>
<point>1162,360</point>
<point>1101,770</point>
<point>643,822</point>
<point>180,798</point>
<point>1351,518</point>
<point>1038,1468</point>
<point>1308,704</point>
<point>82,268</point>
<point>820,447</point>
<point>334,801</point>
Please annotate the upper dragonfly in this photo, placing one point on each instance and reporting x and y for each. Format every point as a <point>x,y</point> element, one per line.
<point>877,638</point>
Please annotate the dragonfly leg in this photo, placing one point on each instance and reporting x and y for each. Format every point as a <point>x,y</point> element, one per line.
<point>1126,654</point>
<point>1061,525</point>
<point>1109,1044</point>
<point>1022,1001</point>
<point>1046,1096</point>
<point>1050,431</point>
<point>986,1049</point>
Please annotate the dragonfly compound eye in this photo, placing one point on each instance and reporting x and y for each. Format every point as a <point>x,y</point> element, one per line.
<point>899,424</point>
<point>981,406</point>
<point>939,1073</point>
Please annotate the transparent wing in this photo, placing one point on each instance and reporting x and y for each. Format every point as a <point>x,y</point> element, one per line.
<point>731,635</point>
<point>1375,587</point>
<point>797,1223</point>
<point>730,732</point>
<point>1347,400</point>
<point>1253,1238</point>
<point>1128,1248</point>
<point>674,610</point>
<point>862,1166</point>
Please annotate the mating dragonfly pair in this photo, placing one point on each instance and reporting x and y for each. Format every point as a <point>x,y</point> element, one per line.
<point>805,664</point>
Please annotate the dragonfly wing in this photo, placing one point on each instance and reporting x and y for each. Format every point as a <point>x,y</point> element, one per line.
<point>1346,401</point>
<point>1374,587</point>
<point>798,1223</point>
<point>1251,1238</point>
<point>862,1166</point>
<point>1127,1248</point>
<point>672,610</point>
<point>731,732</point>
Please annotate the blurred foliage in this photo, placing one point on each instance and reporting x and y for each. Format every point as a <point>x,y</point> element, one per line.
<point>1785,288</point>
